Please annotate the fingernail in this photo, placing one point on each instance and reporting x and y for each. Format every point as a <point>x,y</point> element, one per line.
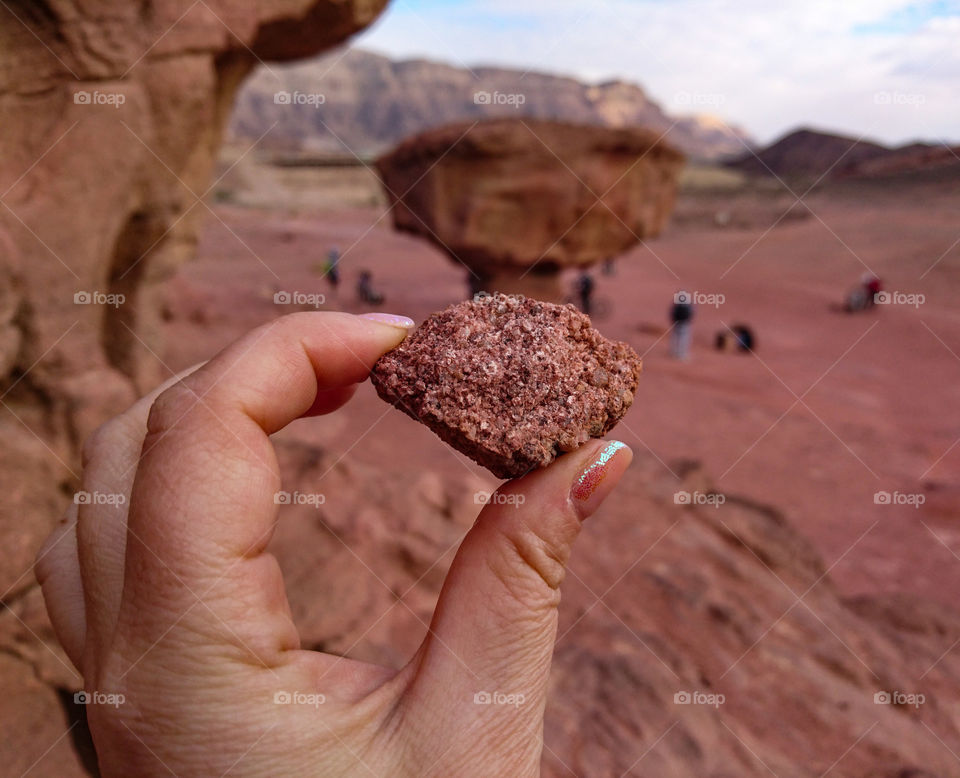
<point>401,322</point>
<point>598,478</point>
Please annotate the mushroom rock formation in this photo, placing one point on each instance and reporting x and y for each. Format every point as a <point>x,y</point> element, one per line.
<point>518,200</point>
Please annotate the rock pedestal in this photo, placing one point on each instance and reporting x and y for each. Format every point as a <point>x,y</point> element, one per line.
<point>518,200</point>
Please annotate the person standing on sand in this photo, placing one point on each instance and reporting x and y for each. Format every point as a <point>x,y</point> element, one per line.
<point>585,286</point>
<point>332,269</point>
<point>365,290</point>
<point>681,318</point>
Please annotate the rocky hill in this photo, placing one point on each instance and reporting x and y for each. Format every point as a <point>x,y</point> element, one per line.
<point>370,103</point>
<point>808,153</point>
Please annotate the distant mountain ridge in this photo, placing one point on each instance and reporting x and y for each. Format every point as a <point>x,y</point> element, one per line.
<point>809,153</point>
<point>370,103</point>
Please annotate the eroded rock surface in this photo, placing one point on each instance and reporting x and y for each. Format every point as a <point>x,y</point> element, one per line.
<point>697,601</point>
<point>112,113</point>
<point>517,200</point>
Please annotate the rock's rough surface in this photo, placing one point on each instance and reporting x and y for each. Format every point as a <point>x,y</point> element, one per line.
<point>509,381</point>
<point>697,602</point>
<point>112,113</point>
<point>516,200</point>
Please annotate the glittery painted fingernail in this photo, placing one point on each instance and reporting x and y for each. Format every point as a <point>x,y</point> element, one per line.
<point>598,478</point>
<point>401,322</point>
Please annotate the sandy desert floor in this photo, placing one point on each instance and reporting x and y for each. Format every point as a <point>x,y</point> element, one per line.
<point>831,409</point>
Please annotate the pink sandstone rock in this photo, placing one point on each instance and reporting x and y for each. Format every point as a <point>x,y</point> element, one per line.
<point>509,381</point>
<point>517,200</point>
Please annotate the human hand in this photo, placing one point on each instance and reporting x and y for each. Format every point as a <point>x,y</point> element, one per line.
<point>169,599</point>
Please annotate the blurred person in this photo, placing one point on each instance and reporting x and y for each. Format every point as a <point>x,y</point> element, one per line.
<point>365,290</point>
<point>744,339</point>
<point>681,318</point>
<point>872,286</point>
<point>864,295</point>
<point>332,268</point>
<point>609,266</point>
<point>169,598</point>
<point>585,286</point>
<point>475,285</point>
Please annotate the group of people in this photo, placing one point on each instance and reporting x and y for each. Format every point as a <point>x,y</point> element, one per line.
<point>738,337</point>
<point>864,296</point>
<point>365,290</point>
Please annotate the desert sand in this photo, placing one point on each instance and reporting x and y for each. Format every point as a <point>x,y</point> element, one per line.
<point>830,410</point>
<point>798,600</point>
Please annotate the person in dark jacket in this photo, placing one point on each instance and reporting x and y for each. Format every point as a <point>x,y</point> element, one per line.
<point>585,284</point>
<point>681,317</point>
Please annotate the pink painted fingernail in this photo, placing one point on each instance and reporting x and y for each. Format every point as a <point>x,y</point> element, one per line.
<point>402,322</point>
<point>598,478</point>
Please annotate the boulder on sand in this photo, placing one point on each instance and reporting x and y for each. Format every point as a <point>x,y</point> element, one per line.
<point>518,200</point>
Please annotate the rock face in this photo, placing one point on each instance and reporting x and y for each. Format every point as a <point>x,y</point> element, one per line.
<point>373,103</point>
<point>729,599</point>
<point>112,115</point>
<point>721,646</point>
<point>112,112</point>
<point>515,201</point>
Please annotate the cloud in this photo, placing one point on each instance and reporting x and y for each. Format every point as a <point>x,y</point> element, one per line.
<point>769,67</point>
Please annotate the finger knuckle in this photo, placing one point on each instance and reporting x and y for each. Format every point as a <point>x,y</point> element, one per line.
<point>533,557</point>
<point>99,442</point>
<point>172,407</point>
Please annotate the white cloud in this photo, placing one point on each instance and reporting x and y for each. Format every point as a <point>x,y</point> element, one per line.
<point>776,66</point>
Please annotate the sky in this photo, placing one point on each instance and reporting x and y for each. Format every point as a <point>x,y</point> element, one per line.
<point>881,69</point>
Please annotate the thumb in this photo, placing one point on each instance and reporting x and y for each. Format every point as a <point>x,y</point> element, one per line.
<point>496,620</point>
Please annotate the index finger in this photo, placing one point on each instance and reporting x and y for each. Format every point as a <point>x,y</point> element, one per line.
<point>202,507</point>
